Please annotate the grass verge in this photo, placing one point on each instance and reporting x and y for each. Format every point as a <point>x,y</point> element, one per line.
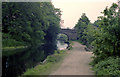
<point>51,64</point>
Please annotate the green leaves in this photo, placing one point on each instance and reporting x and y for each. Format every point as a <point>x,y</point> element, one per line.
<point>107,38</point>
<point>81,27</point>
<point>109,66</point>
<point>107,43</point>
<point>29,22</point>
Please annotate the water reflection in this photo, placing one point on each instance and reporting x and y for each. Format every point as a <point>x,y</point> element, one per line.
<point>15,65</point>
<point>61,45</point>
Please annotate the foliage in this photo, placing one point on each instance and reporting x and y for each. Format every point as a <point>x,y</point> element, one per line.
<point>107,36</point>
<point>107,43</point>
<point>53,61</point>
<point>104,36</point>
<point>30,24</point>
<point>89,32</point>
<point>56,57</point>
<point>70,43</point>
<point>62,37</point>
<point>12,42</point>
<point>7,51</point>
<point>81,26</point>
<point>109,66</point>
<point>70,47</point>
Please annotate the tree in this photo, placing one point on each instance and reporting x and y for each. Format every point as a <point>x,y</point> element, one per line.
<point>107,42</point>
<point>30,24</point>
<point>81,26</point>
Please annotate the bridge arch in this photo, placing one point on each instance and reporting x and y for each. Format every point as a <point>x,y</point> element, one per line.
<point>71,33</point>
<point>63,34</point>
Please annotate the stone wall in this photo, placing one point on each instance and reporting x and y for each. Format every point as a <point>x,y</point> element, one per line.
<point>71,33</point>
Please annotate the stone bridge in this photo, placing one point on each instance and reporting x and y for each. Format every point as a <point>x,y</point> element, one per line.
<point>71,33</point>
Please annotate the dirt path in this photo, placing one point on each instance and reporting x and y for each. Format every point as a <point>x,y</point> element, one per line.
<point>77,63</point>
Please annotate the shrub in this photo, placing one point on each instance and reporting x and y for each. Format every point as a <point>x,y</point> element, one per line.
<point>109,66</point>
<point>11,42</point>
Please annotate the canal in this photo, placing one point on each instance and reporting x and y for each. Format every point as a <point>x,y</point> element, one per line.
<point>16,64</point>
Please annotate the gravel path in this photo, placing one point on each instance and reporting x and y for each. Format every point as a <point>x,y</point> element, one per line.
<point>76,63</point>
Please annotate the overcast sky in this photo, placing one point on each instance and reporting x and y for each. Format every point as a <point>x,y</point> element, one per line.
<point>73,9</point>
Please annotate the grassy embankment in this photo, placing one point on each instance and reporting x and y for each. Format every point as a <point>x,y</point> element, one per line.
<point>51,64</point>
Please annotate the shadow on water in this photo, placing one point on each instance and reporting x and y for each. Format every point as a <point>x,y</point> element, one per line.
<point>15,65</point>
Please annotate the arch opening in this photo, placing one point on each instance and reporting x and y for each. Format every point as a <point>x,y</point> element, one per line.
<point>63,37</point>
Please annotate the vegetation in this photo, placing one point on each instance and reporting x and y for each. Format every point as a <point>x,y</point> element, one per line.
<point>33,24</point>
<point>69,47</point>
<point>12,50</point>
<point>62,37</point>
<point>80,27</point>
<point>107,43</point>
<point>109,66</point>
<point>104,37</point>
<point>46,68</point>
<point>30,24</point>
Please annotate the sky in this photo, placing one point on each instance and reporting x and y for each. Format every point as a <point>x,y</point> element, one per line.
<point>73,9</point>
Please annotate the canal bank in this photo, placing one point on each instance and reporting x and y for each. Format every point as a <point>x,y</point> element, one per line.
<point>24,59</point>
<point>52,63</point>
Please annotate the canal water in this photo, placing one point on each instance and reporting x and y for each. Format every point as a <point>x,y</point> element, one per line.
<point>61,45</point>
<point>13,65</point>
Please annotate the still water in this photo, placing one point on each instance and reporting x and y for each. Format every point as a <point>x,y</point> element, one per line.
<point>14,65</point>
<point>61,45</point>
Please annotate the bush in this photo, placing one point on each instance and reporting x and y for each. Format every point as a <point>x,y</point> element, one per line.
<point>109,66</point>
<point>69,47</point>
<point>11,42</point>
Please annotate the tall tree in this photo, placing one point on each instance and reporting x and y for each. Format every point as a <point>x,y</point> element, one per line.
<point>107,42</point>
<point>30,23</point>
<point>81,26</point>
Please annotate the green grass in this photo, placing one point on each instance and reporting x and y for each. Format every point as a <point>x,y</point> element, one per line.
<point>51,64</point>
<point>71,42</point>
